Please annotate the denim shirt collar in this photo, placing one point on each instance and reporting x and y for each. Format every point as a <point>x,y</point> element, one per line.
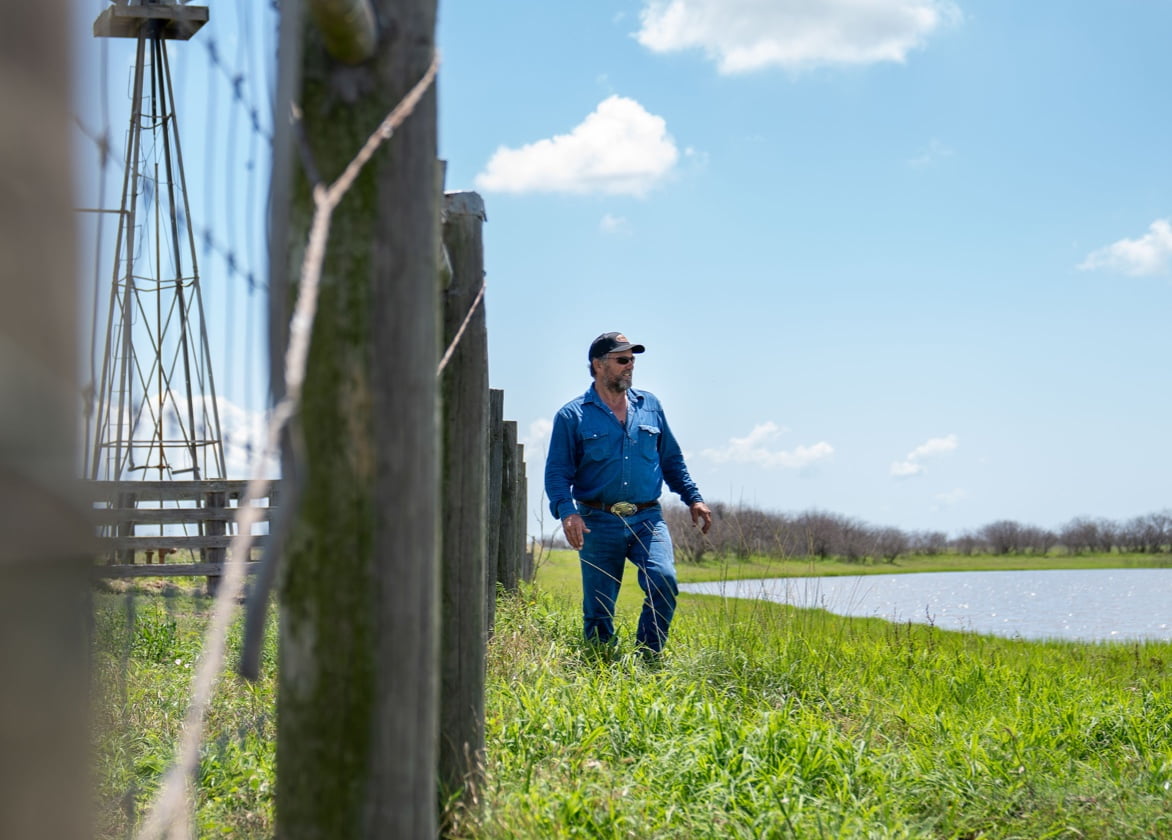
<point>592,396</point>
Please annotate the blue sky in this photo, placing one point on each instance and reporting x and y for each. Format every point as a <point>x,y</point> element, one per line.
<point>902,260</point>
<point>908,261</point>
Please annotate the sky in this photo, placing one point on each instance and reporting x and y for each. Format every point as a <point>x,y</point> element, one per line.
<point>906,261</point>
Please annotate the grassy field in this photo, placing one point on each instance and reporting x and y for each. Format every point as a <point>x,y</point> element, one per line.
<point>763,721</point>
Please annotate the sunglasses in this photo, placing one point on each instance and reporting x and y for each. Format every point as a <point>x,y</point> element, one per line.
<point>623,360</point>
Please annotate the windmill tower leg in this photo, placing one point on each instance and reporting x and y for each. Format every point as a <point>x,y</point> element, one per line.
<point>157,417</point>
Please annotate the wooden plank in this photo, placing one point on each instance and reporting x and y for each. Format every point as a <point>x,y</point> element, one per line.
<point>124,570</point>
<point>169,516</point>
<point>177,23</point>
<point>167,541</point>
<point>168,491</point>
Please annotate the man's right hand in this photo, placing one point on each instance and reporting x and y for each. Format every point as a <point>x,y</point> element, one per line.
<point>574,527</point>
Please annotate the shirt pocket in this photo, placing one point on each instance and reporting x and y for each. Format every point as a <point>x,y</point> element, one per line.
<point>596,445</point>
<point>647,444</point>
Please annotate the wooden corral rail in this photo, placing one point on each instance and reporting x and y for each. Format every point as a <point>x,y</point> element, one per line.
<point>205,508</point>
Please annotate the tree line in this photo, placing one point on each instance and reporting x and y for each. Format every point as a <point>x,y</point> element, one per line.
<point>744,532</point>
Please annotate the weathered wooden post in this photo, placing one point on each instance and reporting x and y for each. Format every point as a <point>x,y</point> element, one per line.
<point>464,397</point>
<point>509,565</point>
<point>44,532</point>
<point>520,520</point>
<point>214,528</point>
<point>359,642</point>
<point>496,413</point>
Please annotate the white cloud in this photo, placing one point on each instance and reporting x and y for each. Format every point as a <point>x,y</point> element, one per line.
<point>953,496</point>
<point>931,156</point>
<point>1148,255</point>
<point>903,469</point>
<point>536,440</point>
<point>619,149</point>
<point>746,35</point>
<point>242,431</point>
<point>245,434</point>
<point>752,449</point>
<point>932,447</point>
<point>613,224</point>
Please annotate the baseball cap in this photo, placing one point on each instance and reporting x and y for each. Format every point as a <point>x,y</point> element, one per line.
<point>613,342</point>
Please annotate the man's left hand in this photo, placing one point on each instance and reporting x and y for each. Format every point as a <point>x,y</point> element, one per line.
<point>700,511</point>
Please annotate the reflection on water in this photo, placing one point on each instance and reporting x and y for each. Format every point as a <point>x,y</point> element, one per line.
<point>1079,605</point>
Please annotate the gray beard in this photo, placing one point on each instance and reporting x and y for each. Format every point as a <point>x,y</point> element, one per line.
<point>620,385</point>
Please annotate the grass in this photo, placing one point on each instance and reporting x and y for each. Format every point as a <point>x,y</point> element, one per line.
<point>763,721</point>
<point>146,639</point>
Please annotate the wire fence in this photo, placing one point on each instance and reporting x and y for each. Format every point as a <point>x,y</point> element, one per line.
<point>226,74</point>
<point>223,83</point>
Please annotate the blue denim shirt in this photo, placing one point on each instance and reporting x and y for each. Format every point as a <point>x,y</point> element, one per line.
<point>594,458</point>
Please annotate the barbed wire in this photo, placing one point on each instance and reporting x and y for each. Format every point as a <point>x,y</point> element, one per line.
<point>171,807</point>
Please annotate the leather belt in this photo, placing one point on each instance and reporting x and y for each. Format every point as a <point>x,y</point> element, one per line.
<point>620,508</point>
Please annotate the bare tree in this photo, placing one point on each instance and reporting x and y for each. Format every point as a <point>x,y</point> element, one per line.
<point>1147,534</point>
<point>817,531</point>
<point>928,543</point>
<point>967,544</point>
<point>1037,540</point>
<point>853,540</point>
<point>690,545</point>
<point>1078,535</point>
<point>1002,537</point>
<point>891,543</point>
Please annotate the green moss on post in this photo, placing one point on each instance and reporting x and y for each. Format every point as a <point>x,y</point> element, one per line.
<point>359,591</point>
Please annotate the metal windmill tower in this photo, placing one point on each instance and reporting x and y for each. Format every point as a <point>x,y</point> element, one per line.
<point>156,412</point>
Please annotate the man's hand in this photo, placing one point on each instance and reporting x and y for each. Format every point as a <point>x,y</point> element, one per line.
<point>701,511</point>
<point>575,527</point>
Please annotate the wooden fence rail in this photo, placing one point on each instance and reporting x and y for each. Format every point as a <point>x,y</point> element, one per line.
<point>185,515</point>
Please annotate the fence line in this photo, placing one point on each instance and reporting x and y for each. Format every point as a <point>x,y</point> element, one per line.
<point>171,802</point>
<point>502,538</point>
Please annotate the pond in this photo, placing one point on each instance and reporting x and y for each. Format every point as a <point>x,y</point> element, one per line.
<point>1089,605</point>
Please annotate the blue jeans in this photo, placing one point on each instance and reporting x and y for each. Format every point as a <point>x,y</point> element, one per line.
<point>644,540</point>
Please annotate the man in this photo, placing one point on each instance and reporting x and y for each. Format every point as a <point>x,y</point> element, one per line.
<point>609,454</point>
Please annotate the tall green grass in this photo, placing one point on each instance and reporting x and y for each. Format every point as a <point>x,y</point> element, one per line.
<point>762,721</point>
<point>145,647</point>
<point>768,721</point>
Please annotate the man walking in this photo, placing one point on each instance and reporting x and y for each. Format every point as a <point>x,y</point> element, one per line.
<point>610,453</point>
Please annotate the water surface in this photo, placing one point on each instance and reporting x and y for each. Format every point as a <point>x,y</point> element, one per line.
<point>1079,605</point>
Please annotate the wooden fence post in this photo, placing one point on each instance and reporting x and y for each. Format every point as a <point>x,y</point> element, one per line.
<point>357,723</point>
<point>520,532</point>
<point>464,398</point>
<point>45,610</point>
<point>496,413</point>
<point>509,565</point>
<point>126,500</point>
<point>214,528</point>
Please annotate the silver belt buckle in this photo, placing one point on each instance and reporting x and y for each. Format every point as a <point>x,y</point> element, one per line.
<point>624,508</point>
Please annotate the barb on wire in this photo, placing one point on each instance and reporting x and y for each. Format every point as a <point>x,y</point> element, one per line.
<point>169,809</point>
